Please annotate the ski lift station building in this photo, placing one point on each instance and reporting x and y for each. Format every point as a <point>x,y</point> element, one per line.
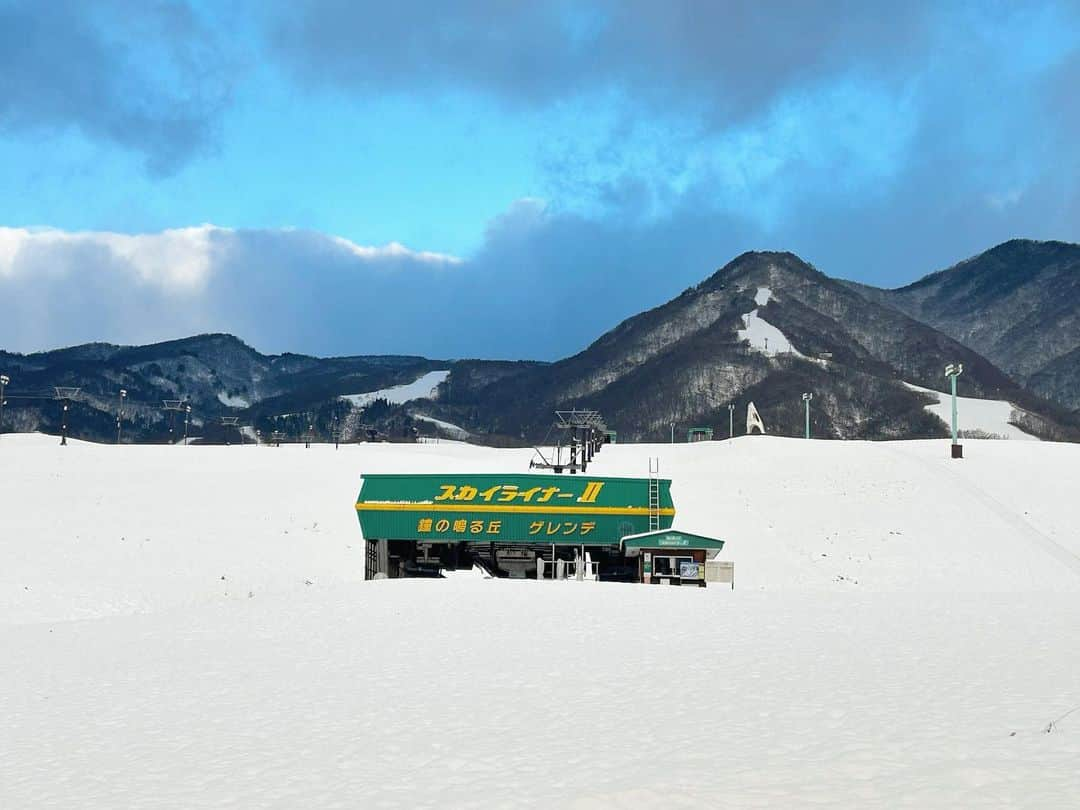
<point>525,526</point>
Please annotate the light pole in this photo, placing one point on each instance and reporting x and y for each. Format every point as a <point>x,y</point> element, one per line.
<point>806,398</point>
<point>4,380</point>
<point>731,420</point>
<point>120,414</point>
<point>187,418</point>
<point>673,433</point>
<point>336,437</point>
<point>952,371</point>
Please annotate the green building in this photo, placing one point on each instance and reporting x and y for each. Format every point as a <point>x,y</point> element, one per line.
<point>509,525</point>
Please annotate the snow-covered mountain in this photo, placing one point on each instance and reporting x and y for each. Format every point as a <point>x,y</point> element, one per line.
<point>1017,304</point>
<point>764,328</point>
<point>217,374</point>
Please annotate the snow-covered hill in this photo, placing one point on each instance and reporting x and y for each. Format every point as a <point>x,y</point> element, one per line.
<point>188,627</point>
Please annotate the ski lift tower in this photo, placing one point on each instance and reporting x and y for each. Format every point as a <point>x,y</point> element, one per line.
<point>65,395</point>
<point>580,425</point>
<point>173,407</point>
<point>584,430</point>
<point>231,422</point>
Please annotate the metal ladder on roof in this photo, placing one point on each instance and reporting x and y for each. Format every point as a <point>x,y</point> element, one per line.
<point>654,494</point>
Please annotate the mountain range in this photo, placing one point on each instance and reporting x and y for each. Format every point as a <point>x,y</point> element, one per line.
<point>765,328</point>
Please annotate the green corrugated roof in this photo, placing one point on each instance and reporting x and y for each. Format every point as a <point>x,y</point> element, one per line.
<point>671,538</point>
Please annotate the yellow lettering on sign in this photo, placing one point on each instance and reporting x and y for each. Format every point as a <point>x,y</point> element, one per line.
<point>592,489</point>
<point>447,492</point>
<point>423,525</point>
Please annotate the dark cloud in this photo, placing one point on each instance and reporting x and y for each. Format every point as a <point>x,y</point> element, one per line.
<point>149,77</point>
<point>881,140</point>
<point>721,59</point>
<point>542,286</point>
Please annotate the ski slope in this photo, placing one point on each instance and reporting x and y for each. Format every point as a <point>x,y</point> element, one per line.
<point>987,415</point>
<point>188,627</point>
<point>763,336</point>
<point>452,430</point>
<point>420,388</point>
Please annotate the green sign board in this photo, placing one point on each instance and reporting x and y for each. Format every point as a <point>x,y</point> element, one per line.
<point>680,542</point>
<point>559,509</point>
<point>673,538</point>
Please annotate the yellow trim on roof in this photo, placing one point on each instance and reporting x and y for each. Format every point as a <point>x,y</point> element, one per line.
<point>464,507</point>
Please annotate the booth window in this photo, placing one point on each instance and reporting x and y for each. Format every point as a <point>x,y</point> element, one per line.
<point>669,566</point>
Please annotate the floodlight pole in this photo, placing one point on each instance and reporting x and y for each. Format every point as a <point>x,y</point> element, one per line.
<point>120,414</point>
<point>806,398</point>
<point>952,371</point>
<point>336,436</point>
<point>731,420</point>
<point>63,423</point>
<point>4,380</point>
<point>673,433</point>
<point>187,418</point>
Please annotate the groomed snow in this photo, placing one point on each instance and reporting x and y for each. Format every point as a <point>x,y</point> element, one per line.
<point>454,431</point>
<point>987,415</point>
<point>421,388</point>
<point>187,627</point>
<point>763,336</point>
<point>232,402</point>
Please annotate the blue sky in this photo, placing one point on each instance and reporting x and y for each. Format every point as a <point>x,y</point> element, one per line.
<point>460,179</point>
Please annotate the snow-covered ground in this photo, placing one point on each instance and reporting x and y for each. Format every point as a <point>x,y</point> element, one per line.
<point>452,430</point>
<point>987,415</point>
<point>233,402</point>
<point>420,388</point>
<point>188,627</point>
<point>763,336</point>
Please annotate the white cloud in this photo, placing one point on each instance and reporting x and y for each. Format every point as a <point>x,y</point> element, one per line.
<point>177,260</point>
<point>395,250</point>
<point>281,288</point>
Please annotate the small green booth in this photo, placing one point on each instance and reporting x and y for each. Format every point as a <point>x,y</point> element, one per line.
<point>674,557</point>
